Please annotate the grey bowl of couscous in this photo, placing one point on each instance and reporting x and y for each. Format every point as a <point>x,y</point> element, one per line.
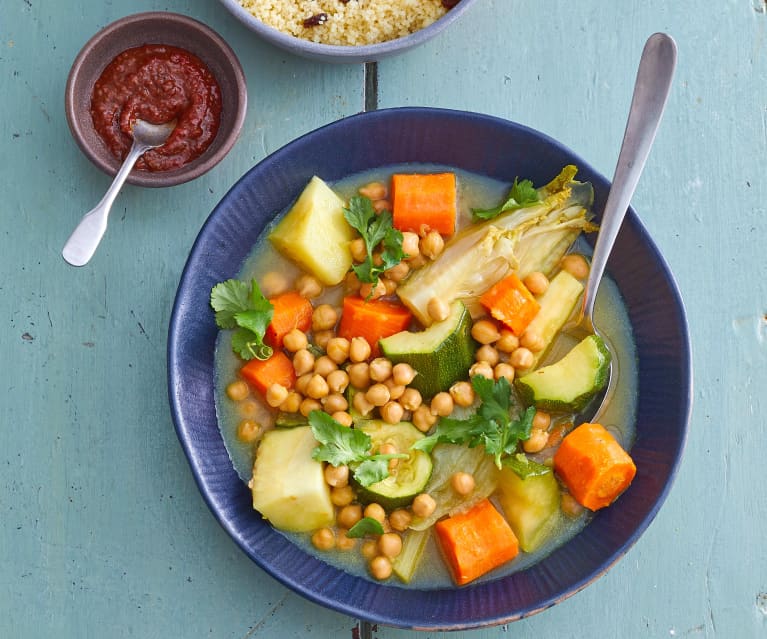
<point>347,30</point>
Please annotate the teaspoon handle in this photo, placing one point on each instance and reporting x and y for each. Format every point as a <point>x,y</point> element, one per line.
<point>84,241</point>
<point>651,90</point>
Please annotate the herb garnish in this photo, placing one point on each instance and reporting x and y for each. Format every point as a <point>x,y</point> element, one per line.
<point>491,426</point>
<point>242,306</point>
<point>365,526</point>
<point>374,229</point>
<point>521,195</point>
<point>341,445</point>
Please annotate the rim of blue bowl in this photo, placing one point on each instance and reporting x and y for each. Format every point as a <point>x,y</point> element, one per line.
<point>341,53</point>
<point>587,556</point>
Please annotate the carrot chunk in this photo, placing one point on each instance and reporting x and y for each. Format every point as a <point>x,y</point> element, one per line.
<point>291,310</point>
<point>372,319</point>
<point>509,301</point>
<point>424,199</point>
<point>593,466</point>
<point>261,374</point>
<point>476,542</point>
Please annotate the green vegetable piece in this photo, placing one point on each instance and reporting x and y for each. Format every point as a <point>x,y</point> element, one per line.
<point>365,526</point>
<point>242,306</point>
<point>521,195</point>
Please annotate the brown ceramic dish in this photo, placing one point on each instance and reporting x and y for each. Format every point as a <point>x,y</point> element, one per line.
<point>156,28</point>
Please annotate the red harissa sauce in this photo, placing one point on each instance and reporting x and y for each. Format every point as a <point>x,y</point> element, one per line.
<point>157,83</point>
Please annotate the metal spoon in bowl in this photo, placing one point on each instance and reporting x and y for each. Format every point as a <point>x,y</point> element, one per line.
<point>84,240</point>
<point>651,90</point>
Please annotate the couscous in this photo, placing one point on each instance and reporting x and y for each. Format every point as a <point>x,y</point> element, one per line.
<point>348,22</point>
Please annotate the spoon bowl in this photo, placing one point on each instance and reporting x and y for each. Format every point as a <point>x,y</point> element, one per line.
<point>86,237</point>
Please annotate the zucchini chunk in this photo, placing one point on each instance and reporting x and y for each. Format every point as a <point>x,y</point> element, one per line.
<point>569,384</point>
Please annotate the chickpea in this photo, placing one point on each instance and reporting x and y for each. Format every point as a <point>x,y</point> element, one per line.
<point>359,349</point>
<point>308,405</point>
<point>576,265</point>
<point>487,354</point>
<point>303,361</point>
<point>369,549</point>
<point>438,309</point>
<point>398,272</point>
<point>324,365</point>
<point>334,403</point>
<point>338,380</point>
<point>375,511</point>
<point>274,283</point>
<point>485,332</point>
<point>570,506</point>
<point>411,399</point>
<point>371,291</point>
<point>373,190</point>
<point>462,483</point>
<point>521,358</point>
<point>358,250</point>
<point>380,369</point>
<point>532,340</point>
<point>378,394</point>
<point>324,539</point>
<point>292,402</point>
<point>423,505</point>
<point>390,449</point>
<point>324,317</point>
<point>392,412</point>
<point>507,342</point>
<point>417,262</point>
<point>541,420</point>
<point>308,286</point>
<point>423,419</point>
<point>536,282</point>
<point>343,418</point>
<point>349,515</point>
<point>431,245</point>
<point>341,495</point>
<point>481,368</point>
<point>248,431</point>
<point>395,390</point>
<point>403,373</point>
<point>338,349</point>
<point>400,519</point>
<point>336,475</point>
<point>344,542</point>
<point>295,340</point>
<point>504,370</point>
<point>361,404</point>
<point>536,442</point>
<point>276,394</point>
<point>410,244</point>
<point>302,382</point>
<point>462,393</point>
<point>442,404</point>
<point>249,409</point>
<point>381,205</point>
<point>321,338</point>
<point>237,390</point>
<point>352,283</point>
<point>359,375</point>
<point>389,285</point>
<point>390,544</point>
<point>380,568</point>
<point>317,388</point>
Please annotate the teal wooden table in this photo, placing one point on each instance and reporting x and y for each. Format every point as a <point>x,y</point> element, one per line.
<point>102,530</point>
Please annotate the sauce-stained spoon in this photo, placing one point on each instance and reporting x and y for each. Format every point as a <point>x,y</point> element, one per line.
<point>651,90</point>
<point>84,240</point>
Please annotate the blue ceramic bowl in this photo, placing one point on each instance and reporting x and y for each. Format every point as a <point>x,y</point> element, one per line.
<point>339,54</point>
<point>484,145</point>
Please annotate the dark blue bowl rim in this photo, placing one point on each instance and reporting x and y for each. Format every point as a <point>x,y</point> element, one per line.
<point>388,608</point>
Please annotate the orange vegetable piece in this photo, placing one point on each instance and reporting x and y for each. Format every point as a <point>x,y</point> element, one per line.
<point>372,319</point>
<point>424,199</point>
<point>261,374</point>
<point>291,310</point>
<point>476,542</point>
<point>509,301</point>
<point>593,466</point>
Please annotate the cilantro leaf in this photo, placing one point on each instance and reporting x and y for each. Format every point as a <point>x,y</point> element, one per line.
<point>521,195</point>
<point>525,467</point>
<point>339,444</point>
<point>374,228</point>
<point>365,526</point>
<point>454,431</point>
<point>242,306</point>
<point>373,469</point>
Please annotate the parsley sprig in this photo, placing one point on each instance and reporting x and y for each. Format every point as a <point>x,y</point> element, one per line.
<point>521,195</point>
<point>339,445</point>
<point>491,426</point>
<point>375,228</point>
<point>243,307</point>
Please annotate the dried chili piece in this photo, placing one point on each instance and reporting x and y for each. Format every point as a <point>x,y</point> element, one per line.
<point>448,4</point>
<point>316,20</point>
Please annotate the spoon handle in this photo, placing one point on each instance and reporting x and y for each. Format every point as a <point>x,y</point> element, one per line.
<point>651,90</point>
<point>84,240</point>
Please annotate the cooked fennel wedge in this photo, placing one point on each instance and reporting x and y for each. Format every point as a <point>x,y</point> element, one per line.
<point>528,239</point>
